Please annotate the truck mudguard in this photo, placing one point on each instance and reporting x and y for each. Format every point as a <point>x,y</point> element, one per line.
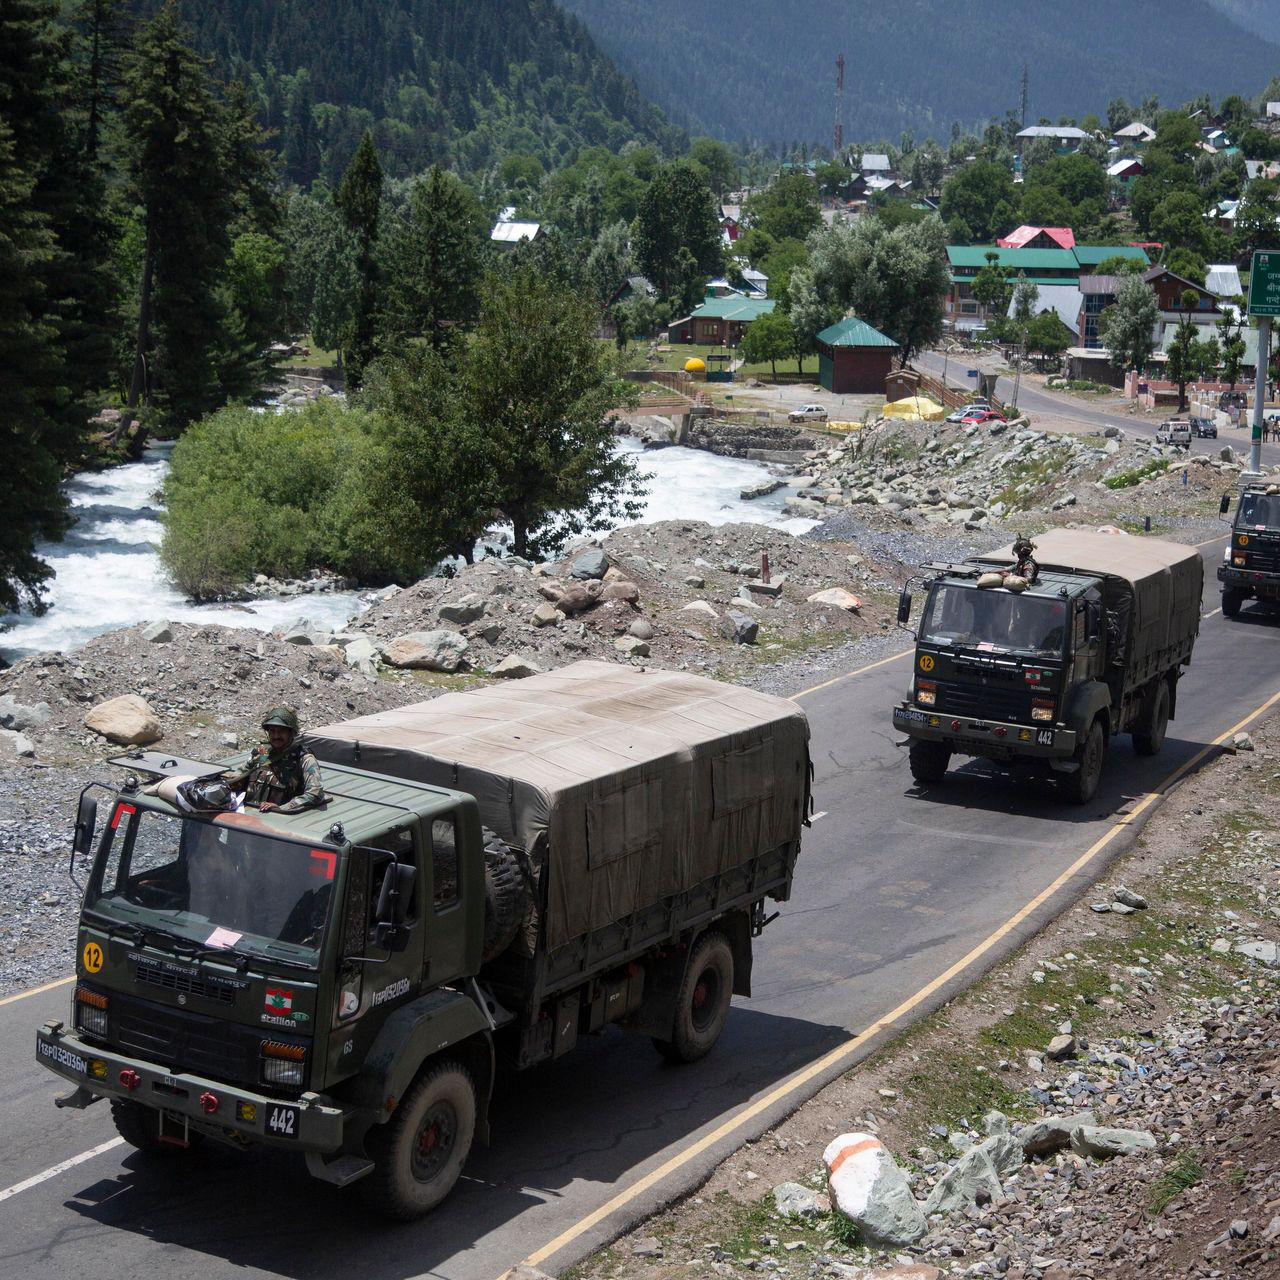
<point>425,1028</point>
<point>1088,700</point>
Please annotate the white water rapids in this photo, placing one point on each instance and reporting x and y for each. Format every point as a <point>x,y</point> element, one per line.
<point>108,573</point>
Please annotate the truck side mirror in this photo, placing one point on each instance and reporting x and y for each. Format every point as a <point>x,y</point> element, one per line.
<point>86,824</point>
<point>904,608</point>
<point>1225,505</point>
<point>395,903</point>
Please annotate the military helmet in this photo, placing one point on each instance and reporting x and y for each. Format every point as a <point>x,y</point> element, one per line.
<point>282,717</point>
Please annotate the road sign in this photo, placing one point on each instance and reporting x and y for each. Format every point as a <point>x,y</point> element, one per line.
<point>1264,284</point>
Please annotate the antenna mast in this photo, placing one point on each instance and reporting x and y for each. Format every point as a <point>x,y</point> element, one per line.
<point>839,129</point>
<point>1023,97</point>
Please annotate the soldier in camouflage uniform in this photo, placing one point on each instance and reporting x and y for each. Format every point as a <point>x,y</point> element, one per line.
<point>281,774</point>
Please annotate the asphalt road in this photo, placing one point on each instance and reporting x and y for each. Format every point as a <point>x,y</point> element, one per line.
<point>1035,401</point>
<point>893,887</point>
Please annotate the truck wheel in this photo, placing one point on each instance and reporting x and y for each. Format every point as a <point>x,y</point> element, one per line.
<point>1231,602</point>
<point>1149,740</point>
<point>139,1126</point>
<point>702,1003</point>
<point>928,761</point>
<point>1081,785</point>
<point>419,1153</point>
<point>506,895</point>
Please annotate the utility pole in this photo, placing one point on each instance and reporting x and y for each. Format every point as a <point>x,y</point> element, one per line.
<point>839,126</point>
<point>1022,99</point>
<point>1260,395</point>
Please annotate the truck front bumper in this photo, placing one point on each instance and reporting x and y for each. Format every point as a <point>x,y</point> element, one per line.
<point>310,1123</point>
<point>1264,586</point>
<point>993,739</point>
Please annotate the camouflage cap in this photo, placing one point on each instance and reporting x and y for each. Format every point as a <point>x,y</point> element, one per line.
<point>283,717</point>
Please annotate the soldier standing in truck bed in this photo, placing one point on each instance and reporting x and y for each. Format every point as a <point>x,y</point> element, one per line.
<point>281,774</point>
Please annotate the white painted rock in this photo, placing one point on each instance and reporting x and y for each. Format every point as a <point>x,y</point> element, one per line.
<point>837,598</point>
<point>867,1186</point>
<point>128,720</point>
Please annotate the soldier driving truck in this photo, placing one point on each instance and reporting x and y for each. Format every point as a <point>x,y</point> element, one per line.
<point>492,876</point>
<point>1250,567</point>
<point>1038,655</point>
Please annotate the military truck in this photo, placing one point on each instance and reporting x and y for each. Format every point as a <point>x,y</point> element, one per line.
<point>494,875</point>
<point>1044,667</point>
<point>1250,567</point>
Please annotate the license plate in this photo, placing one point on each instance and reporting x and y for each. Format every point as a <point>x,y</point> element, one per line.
<point>1045,737</point>
<point>282,1122</point>
<point>59,1055</point>
<point>910,713</point>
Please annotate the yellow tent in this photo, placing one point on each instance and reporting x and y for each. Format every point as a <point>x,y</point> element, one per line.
<point>915,407</point>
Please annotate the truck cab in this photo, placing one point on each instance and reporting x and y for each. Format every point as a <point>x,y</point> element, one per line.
<point>1250,567</point>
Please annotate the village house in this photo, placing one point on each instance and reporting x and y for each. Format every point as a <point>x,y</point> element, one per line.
<point>719,321</point>
<point>854,358</point>
<point>1039,238</point>
<point>1065,138</point>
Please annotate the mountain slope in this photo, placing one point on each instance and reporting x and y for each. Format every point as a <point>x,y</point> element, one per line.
<point>463,82</point>
<point>764,71</point>
<point>1258,16</point>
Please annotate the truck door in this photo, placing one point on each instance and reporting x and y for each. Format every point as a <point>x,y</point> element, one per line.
<point>445,956</point>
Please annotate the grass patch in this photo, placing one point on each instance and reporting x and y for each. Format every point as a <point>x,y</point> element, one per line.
<point>953,1090</point>
<point>317,359</point>
<point>1128,479</point>
<point>1185,1172</point>
<point>1025,479</point>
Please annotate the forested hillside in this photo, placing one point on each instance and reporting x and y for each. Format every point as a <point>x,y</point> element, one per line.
<point>764,72</point>
<point>456,82</point>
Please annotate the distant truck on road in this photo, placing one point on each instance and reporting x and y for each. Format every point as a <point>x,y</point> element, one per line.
<point>495,875</point>
<point>1043,667</point>
<point>1250,567</point>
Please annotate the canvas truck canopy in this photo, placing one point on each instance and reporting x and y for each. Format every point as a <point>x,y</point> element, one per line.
<point>625,786</point>
<point>1164,581</point>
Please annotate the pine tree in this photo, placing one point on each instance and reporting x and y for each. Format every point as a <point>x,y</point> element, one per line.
<point>104,29</point>
<point>360,203</point>
<point>172,122</point>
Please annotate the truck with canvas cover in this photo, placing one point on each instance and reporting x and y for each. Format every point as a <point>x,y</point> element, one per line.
<point>1039,654</point>
<point>1250,568</point>
<point>493,875</point>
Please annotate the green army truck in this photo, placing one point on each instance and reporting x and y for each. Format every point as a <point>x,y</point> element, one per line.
<point>1250,568</point>
<point>494,875</point>
<point>1044,668</point>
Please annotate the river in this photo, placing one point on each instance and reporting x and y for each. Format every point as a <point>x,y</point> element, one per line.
<point>108,573</point>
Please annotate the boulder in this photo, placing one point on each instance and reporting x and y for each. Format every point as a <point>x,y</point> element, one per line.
<point>439,650</point>
<point>574,599</point>
<point>867,1186</point>
<point>632,646</point>
<point>362,655</point>
<point>739,628</point>
<point>157,633</point>
<point>1060,1047</point>
<point>516,666</point>
<point>1267,952</point>
<point>490,631</point>
<point>1093,1140</point>
<point>641,629</point>
<point>695,580</point>
<point>589,564</point>
<point>545,615</point>
<point>1051,1134</point>
<point>1004,1151</point>
<point>700,607</point>
<point>18,743</point>
<point>837,598</point>
<point>1242,742</point>
<point>795,1201</point>
<point>971,1179</point>
<point>761,490</point>
<point>625,591</point>
<point>468,608</point>
<point>1127,898</point>
<point>22,715</point>
<point>127,720</point>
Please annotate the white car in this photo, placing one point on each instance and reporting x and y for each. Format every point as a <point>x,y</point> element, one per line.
<point>958,415</point>
<point>1177,431</point>
<point>808,413</point>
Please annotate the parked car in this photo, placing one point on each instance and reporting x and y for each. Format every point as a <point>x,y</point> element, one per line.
<point>979,416</point>
<point>958,415</point>
<point>808,413</point>
<point>1229,398</point>
<point>1204,429</point>
<point>1176,431</point>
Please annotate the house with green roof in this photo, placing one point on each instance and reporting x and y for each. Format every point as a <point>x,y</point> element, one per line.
<point>719,321</point>
<point>854,358</point>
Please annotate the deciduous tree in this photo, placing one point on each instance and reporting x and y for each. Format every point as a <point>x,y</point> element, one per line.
<point>676,213</point>
<point>769,337</point>
<point>1127,327</point>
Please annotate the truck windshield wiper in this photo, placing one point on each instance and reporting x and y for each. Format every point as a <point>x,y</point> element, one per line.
<point>184,948</point>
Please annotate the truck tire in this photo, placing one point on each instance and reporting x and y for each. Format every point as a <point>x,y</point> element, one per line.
<point>702,1003</point>
<point>928,761</point>
<point>1231,602</point>
<point>419,1153</point>
<point>1148,740</point>
<point>139,1126</point>
<point>506,895</point>
<point>1081,785</point>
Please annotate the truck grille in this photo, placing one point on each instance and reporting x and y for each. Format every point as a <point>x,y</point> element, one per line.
<point>1267,561</point>
<point>984,702</point>
<point>191,985</point>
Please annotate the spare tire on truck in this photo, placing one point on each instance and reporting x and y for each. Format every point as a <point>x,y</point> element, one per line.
<point>506,894</point>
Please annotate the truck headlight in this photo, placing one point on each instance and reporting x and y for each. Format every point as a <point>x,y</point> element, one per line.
<point>1041,710</point>
<point>283,1064</point>
<point>926,693</point>
<point>91,1013</point>
<point>1238,560</point>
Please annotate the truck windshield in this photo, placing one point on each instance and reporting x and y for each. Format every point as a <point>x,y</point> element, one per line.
<point>1260,510</point>
<point>212,884</point>
<point>979,618</point>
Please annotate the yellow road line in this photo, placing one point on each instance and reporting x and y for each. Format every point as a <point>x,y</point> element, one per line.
<point>844,1052</point>
<point>35,991</point>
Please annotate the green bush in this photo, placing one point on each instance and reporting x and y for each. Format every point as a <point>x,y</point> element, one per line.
<point>1127,479</point>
